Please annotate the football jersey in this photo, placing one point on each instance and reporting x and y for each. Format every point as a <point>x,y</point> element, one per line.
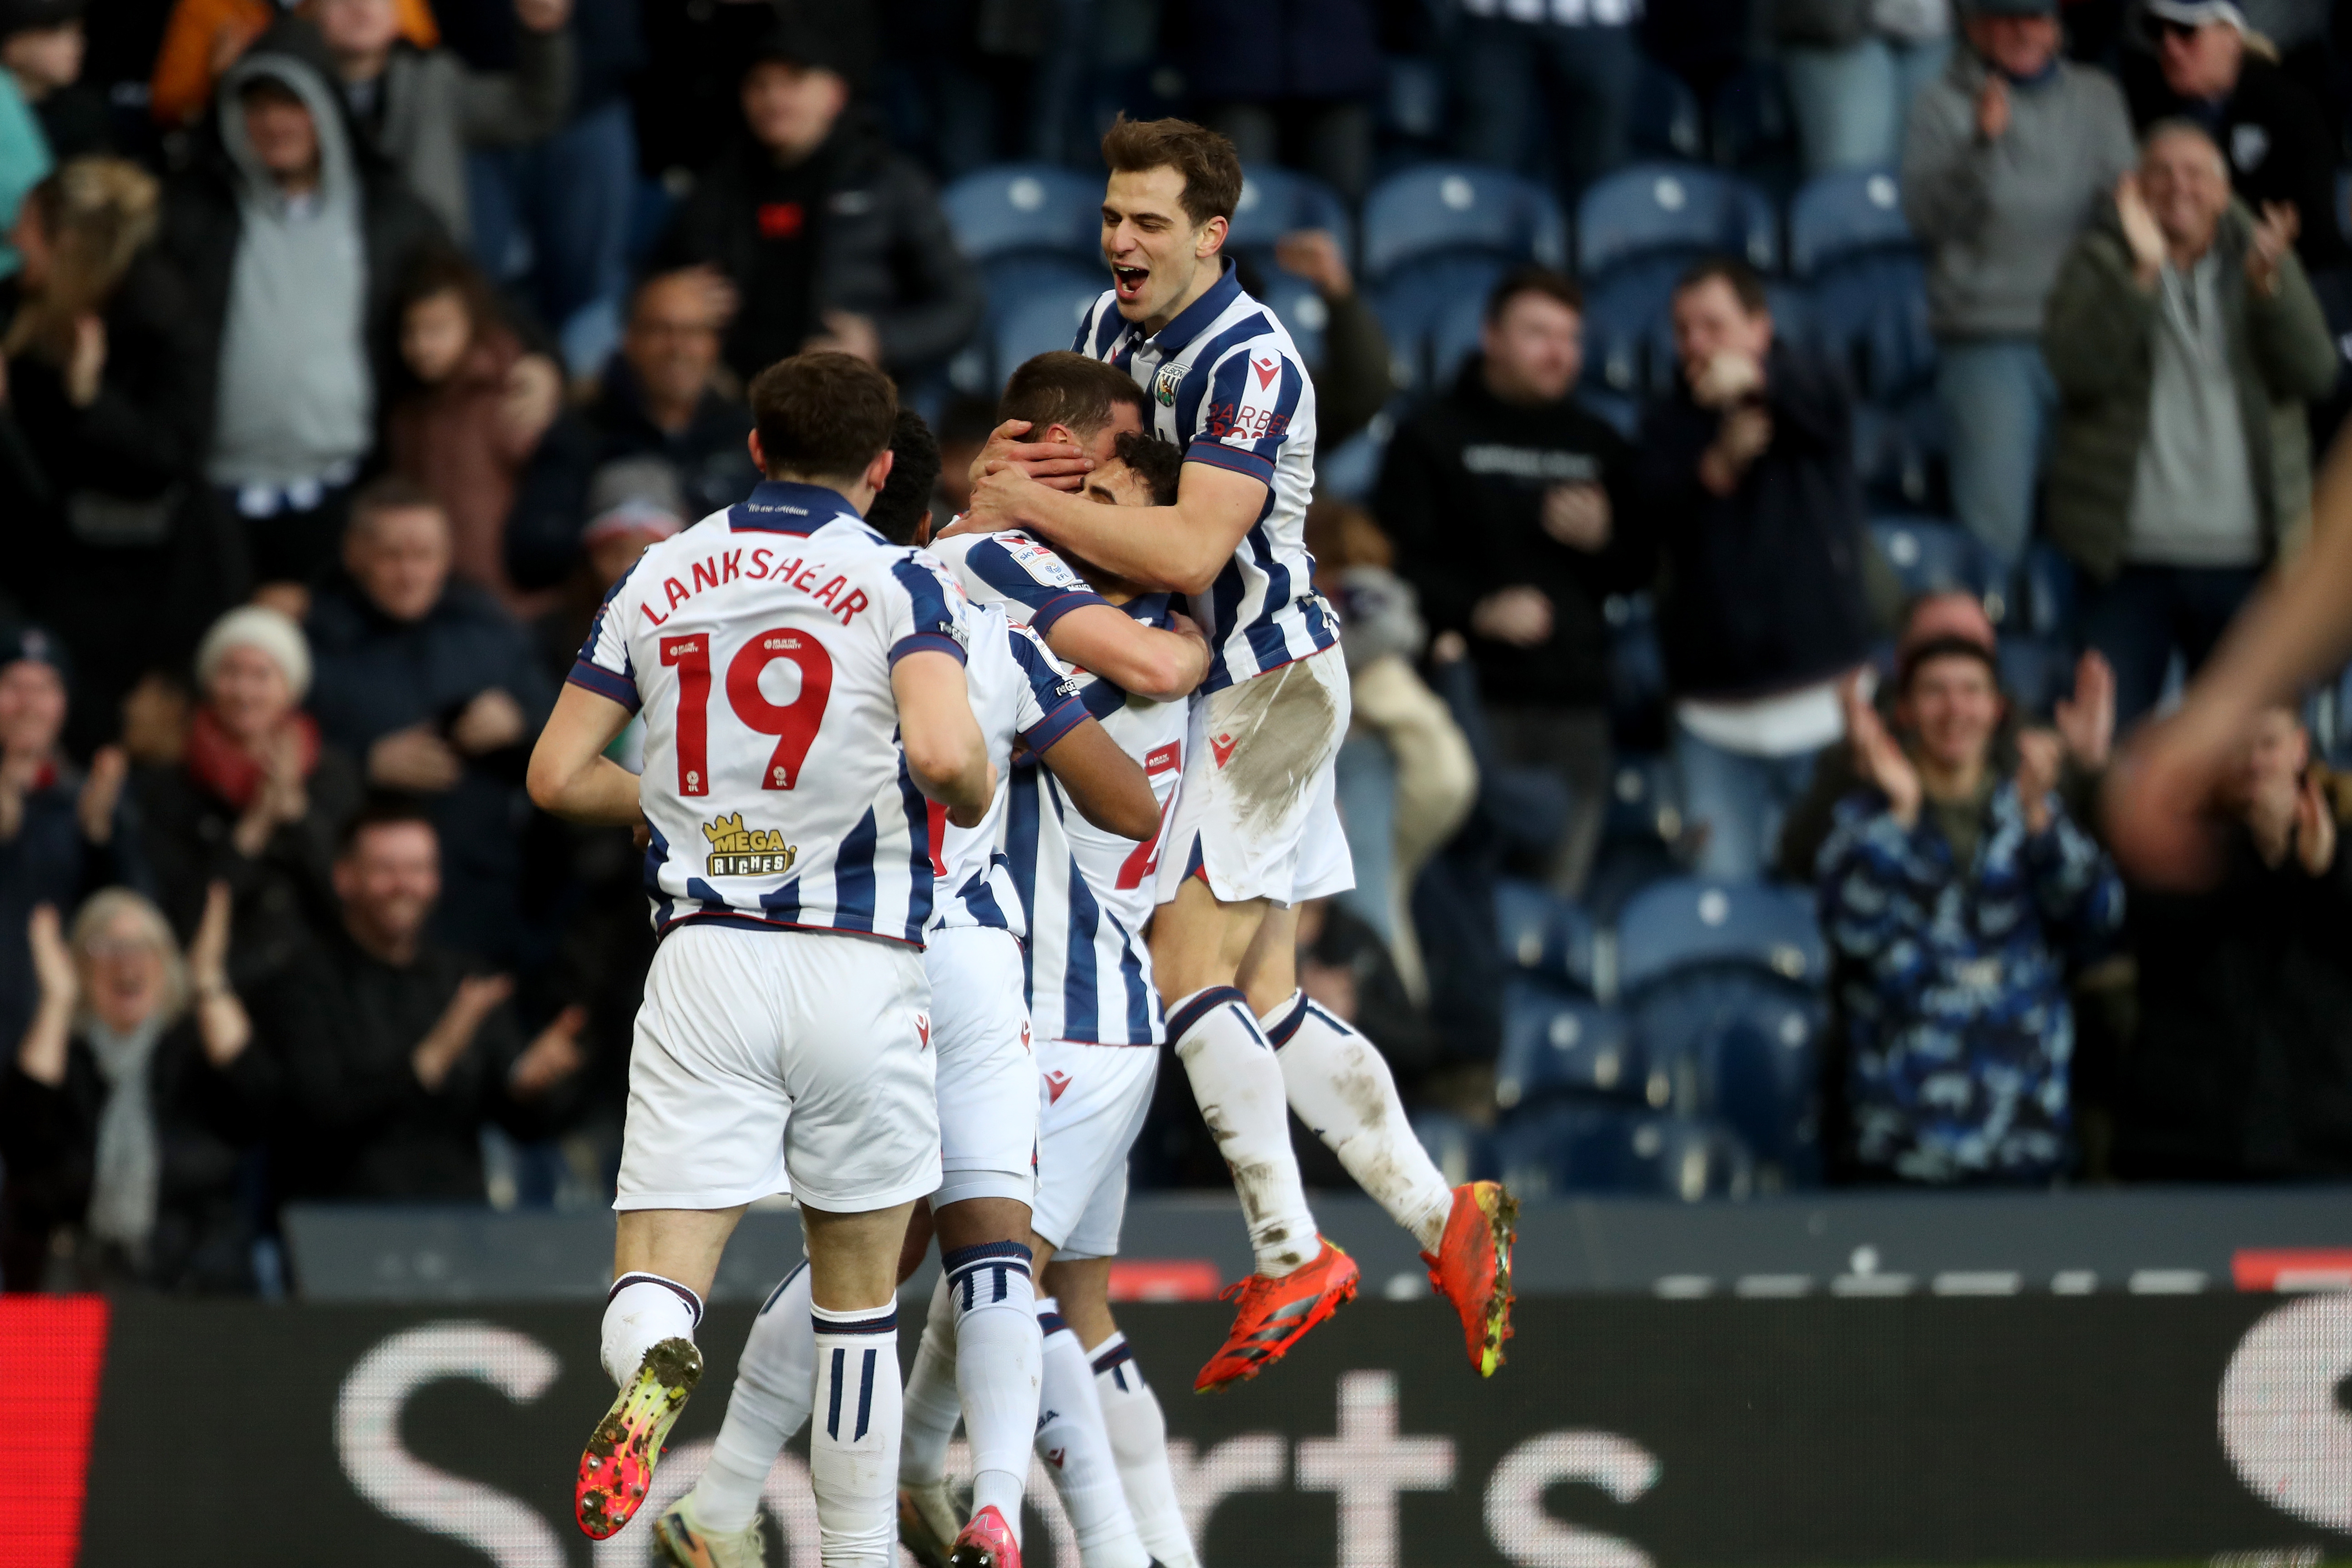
<point>759,645</point>
<point>1090,894</point>
<point>1019,694</point>
<point>1223,381</point>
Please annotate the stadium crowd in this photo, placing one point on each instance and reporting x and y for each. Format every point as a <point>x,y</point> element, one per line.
<point>349,351</point>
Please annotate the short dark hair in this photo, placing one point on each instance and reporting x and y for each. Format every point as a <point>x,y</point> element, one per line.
<point>826,414</point>
<point>391,493</point>
<point>1935,648</point>
<point>1212,169</point>
<point>1736,276</point>
<point>1543,280</point>
<point>1159,464</point>
<point>382,810</point>
<point>898,513</point>
<point>1075,391</point>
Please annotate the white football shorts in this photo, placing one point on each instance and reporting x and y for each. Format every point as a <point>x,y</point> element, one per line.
<point>1091,1101</point>
<point>770,1062</point>
<point>987,1071</point>
<point>1255,814</point>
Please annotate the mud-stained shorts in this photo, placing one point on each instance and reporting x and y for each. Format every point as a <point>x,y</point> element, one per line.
<point>1255,816</point>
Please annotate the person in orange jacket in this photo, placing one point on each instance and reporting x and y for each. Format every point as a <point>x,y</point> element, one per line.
<point>203,37</point>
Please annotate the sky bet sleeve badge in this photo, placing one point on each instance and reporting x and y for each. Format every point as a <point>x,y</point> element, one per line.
<point>738,850</point>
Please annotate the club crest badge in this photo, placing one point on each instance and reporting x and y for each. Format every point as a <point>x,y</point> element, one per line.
<point>1164,385</point>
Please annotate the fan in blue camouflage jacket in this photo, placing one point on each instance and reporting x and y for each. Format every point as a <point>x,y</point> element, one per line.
<point>1954,977</point>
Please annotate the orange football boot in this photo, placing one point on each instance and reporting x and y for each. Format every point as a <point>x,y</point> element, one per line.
<point>617,1466</point>
<point>1274,1315</point>
<point>1472,1268</point>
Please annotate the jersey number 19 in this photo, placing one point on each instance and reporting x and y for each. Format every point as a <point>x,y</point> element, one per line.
<point>794,723</point>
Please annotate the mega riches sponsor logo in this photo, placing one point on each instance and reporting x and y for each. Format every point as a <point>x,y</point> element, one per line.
<point>738,850</point>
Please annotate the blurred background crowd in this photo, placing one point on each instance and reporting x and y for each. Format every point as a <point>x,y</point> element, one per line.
<point>1769,452</point>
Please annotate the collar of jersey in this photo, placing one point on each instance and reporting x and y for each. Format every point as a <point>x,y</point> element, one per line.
<point>1194,318</point>
<point>782,506</point>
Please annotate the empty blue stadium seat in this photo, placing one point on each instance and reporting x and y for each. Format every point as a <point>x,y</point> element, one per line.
<point>1299,309</point>
<point>1637,663</point>
<point>1744,1048</point>
<point>1543,932</point>
<point>1693,922</point>
<point>1753,129</point>
<point>1869,317</point>
<point>1666,121</point>
<point>1645,799</point>
<point>1437,209</point>
<point>1594,1148</point>
<point>1016,207</point>
<point>2035,673</point>
<point>1930,555</point>
<point>2050,593</point>
<point>1037,322</point>
<point>1461,1149</point>
<point>1349,471</point>
<point>1898,452</point>
<point>1277,201</point>
<point>1557,1043</point>
<point>1682,210</point>
<point>1840,215</point>
<point>1629,332</point>
<point>1429,302</point>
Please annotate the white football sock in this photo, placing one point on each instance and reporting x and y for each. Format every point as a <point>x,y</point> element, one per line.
<point>640,1311</point>
<point>1238,1085</point>
<point>1341,1085</point>
<point>854,1445</point>
<point>1138,1441</point>
<point>1076,1451</point>
<point>932,1402</point>
<point>999,1357</point>
<point>774,1382</point>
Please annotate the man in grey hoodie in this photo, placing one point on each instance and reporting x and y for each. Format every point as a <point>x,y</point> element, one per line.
<point>2006,158</point>
<point>292,236</point>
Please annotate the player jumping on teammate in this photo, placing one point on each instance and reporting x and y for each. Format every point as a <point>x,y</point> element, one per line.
<point>1257,832</point>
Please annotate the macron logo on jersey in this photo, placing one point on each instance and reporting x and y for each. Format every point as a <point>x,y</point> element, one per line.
<point>1266,369</point>
<point>1056,1081</point>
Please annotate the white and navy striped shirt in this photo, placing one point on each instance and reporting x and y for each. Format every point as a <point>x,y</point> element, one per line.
<point>1223,381</point>
<point>758,643</point>
<point>1090,894</point>
<point>1020,693</point>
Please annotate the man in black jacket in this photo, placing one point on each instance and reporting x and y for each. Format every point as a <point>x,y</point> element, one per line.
<point>292,235</point>
<point>826,238</point>
<point>1511,510</point>
<point>1746,473</point>
<point>660,397</point>
<point>439,692</point>
<point>390,1053</point>
<point>2274,134</point>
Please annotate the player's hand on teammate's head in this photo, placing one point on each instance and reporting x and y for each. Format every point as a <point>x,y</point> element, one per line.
<point>996,501</point>
<point>1059,465</point>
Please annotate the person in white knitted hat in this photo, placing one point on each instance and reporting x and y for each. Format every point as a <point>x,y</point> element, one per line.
<point>257,798</point>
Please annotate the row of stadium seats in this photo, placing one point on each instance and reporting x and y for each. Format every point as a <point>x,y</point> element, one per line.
<point>1434,237</point>
<point>1676,1052</point>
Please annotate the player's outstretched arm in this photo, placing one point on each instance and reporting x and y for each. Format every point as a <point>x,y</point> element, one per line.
<point>2295,629</point>
<point>1145,660</point>
<point>1180,549</point>
<point>1104,782</point>
<point>570,774</point>
<point>946,753</point>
